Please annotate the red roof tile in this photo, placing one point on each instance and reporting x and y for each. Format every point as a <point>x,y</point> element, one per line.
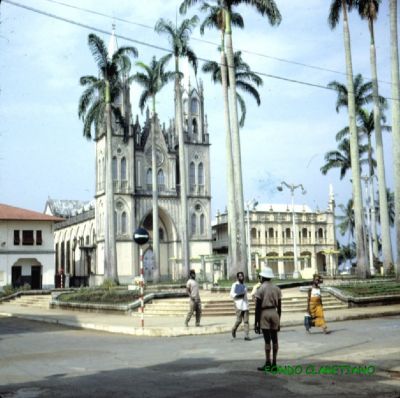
<point>16,213</point>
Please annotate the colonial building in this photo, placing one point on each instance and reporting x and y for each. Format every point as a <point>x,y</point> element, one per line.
<point>79,241</point>
<point>26,247</point>
<point>271,238</point>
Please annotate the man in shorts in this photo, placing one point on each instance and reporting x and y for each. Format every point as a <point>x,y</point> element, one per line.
<point>268,315</point>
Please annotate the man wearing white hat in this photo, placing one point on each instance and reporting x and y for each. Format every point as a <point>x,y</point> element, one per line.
<point>268,314</point>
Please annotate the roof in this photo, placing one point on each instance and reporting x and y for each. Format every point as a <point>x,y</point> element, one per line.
<point>67,208</point>
<point>16,213</point>
<point>281,208</point>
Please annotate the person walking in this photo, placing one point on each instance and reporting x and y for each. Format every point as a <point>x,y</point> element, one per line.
<point>314,306</point>
<point>192,289</point>
<point>239,295</point>
<point>267,317</point>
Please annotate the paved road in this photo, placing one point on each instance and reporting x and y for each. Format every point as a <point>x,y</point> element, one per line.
<point>43,360</point>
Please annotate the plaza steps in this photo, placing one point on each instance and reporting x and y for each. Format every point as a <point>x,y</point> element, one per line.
<point>36,300</point>
<point>222,305</point>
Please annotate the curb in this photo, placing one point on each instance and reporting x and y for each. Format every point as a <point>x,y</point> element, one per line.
<point>180,331</point>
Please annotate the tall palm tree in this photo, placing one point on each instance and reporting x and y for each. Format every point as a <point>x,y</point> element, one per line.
<point>391,211</point>
<point>153,78</point>
<point>245,81</point>
<point>215,18</point>
<point>269,9</point>
<point>368,10</point>
<point>346,223</point>
<point>179,40</point>
<point>394,50</point>
<point>341,157</point>
<point>97,108</point>
<point>337,7</point>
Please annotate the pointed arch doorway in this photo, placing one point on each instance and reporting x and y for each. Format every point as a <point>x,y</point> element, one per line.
<point>148,265</point>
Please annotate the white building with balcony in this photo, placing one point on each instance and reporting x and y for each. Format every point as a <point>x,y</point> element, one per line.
<point>271,238</point>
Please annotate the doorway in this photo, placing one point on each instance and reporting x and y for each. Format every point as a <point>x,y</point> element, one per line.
<point>16,272</point>
<point>36,277</point>
<point>148,265</point>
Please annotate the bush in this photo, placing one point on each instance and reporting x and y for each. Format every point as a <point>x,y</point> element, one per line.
<point>8,290</point>
<point>109,284</point>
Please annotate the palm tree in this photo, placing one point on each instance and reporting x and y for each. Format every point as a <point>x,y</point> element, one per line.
<point>368,9</point>
<point>391,211</point>
<point>336,7</point>
<point>245,80</point>
<point>179,40</point>
<point>341,158</point>
<point>394,50</point>
<point>153,78</point>
<point>97,108</point>
<point>215,18</point>
<point>269,9</point>
<point>346,222</point>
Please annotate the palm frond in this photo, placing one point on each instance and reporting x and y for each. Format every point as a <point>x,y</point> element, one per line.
<point>99,50</point>
<point>242,106</point>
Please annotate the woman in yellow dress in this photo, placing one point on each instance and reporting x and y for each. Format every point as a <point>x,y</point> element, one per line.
<point>314,307</point>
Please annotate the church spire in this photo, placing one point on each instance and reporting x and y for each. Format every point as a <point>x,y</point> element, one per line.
<point>112,44</point>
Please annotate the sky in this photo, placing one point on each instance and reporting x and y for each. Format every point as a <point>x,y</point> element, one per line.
<point>43,153</point>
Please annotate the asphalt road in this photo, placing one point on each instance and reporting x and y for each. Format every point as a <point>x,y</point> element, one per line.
<point>43,360</point>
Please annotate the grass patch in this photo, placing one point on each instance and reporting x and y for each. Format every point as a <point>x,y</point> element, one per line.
<point>371,289</point>
<point>100,296</point>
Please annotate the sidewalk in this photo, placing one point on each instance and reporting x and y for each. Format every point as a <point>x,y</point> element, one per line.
<point>171,326</point>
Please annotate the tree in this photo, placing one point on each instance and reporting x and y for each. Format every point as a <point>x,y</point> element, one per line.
<point>338,6</point>
<point>215,18</point>
<point>179,39</point>
<point>346,222</point>
<point>368,10</point>
<point>394,50</point>
<point>341,158</point>
<point>97,108</point>
<point>152,79</point>
<point>269,9</point>
<point>245,80</point>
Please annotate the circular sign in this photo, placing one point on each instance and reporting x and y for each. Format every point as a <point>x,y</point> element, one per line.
<point>141,236</point>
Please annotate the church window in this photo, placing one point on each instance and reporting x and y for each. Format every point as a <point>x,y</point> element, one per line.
<point>149,182</point>
<point>124,224</point>
<point>202,224</point>
<point>320,233</point>
<point>161,234</point>
<point>200,174</point>
<point>270,232</point>
<point>288,234</point>
<point>114,168</point>
<point>115,222</point>
<point>138,177</point>
<point>304,232</point>
<point>192,176</point>
<point>161,180</point>
<point>193,223</point>
<point>123,169</point>
<point>194,106</point>
<point>194,127</point>
<point>87,240</point>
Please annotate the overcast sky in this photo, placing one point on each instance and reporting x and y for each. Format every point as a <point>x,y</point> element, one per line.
<point>43,153</point>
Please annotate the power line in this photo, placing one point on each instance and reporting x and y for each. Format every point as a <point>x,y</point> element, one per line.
<point>262,55</point>
<point>85,26</point>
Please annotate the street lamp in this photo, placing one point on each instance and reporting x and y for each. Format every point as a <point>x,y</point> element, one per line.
<point>250,204</point>
<point>369,227</point>
<point>292,188</point>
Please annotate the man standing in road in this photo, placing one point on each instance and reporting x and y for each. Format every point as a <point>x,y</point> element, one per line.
<point>239,295</point>
<point>268,315</point>
<point>192,289</point>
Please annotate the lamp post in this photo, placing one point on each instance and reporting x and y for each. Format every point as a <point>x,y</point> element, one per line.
<point>251,203</point>
<point>369,227</point>
<point>292,188</point>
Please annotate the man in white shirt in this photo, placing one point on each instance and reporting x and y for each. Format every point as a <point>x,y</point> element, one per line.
<point>239,295</point>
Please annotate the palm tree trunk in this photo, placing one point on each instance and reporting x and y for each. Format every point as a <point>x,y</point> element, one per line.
<point>362,269</point>
<point>371,195</point>
<point>383,204</point>
<point>237,163</point>
<point>110,251</point>
<point>182,172</point>
<point>232,235</point>
<point>394,47</point>
<point>156,235</point>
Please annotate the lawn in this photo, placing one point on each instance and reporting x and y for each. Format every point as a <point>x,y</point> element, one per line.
<point>100,295</point>
<point>371,289</point>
